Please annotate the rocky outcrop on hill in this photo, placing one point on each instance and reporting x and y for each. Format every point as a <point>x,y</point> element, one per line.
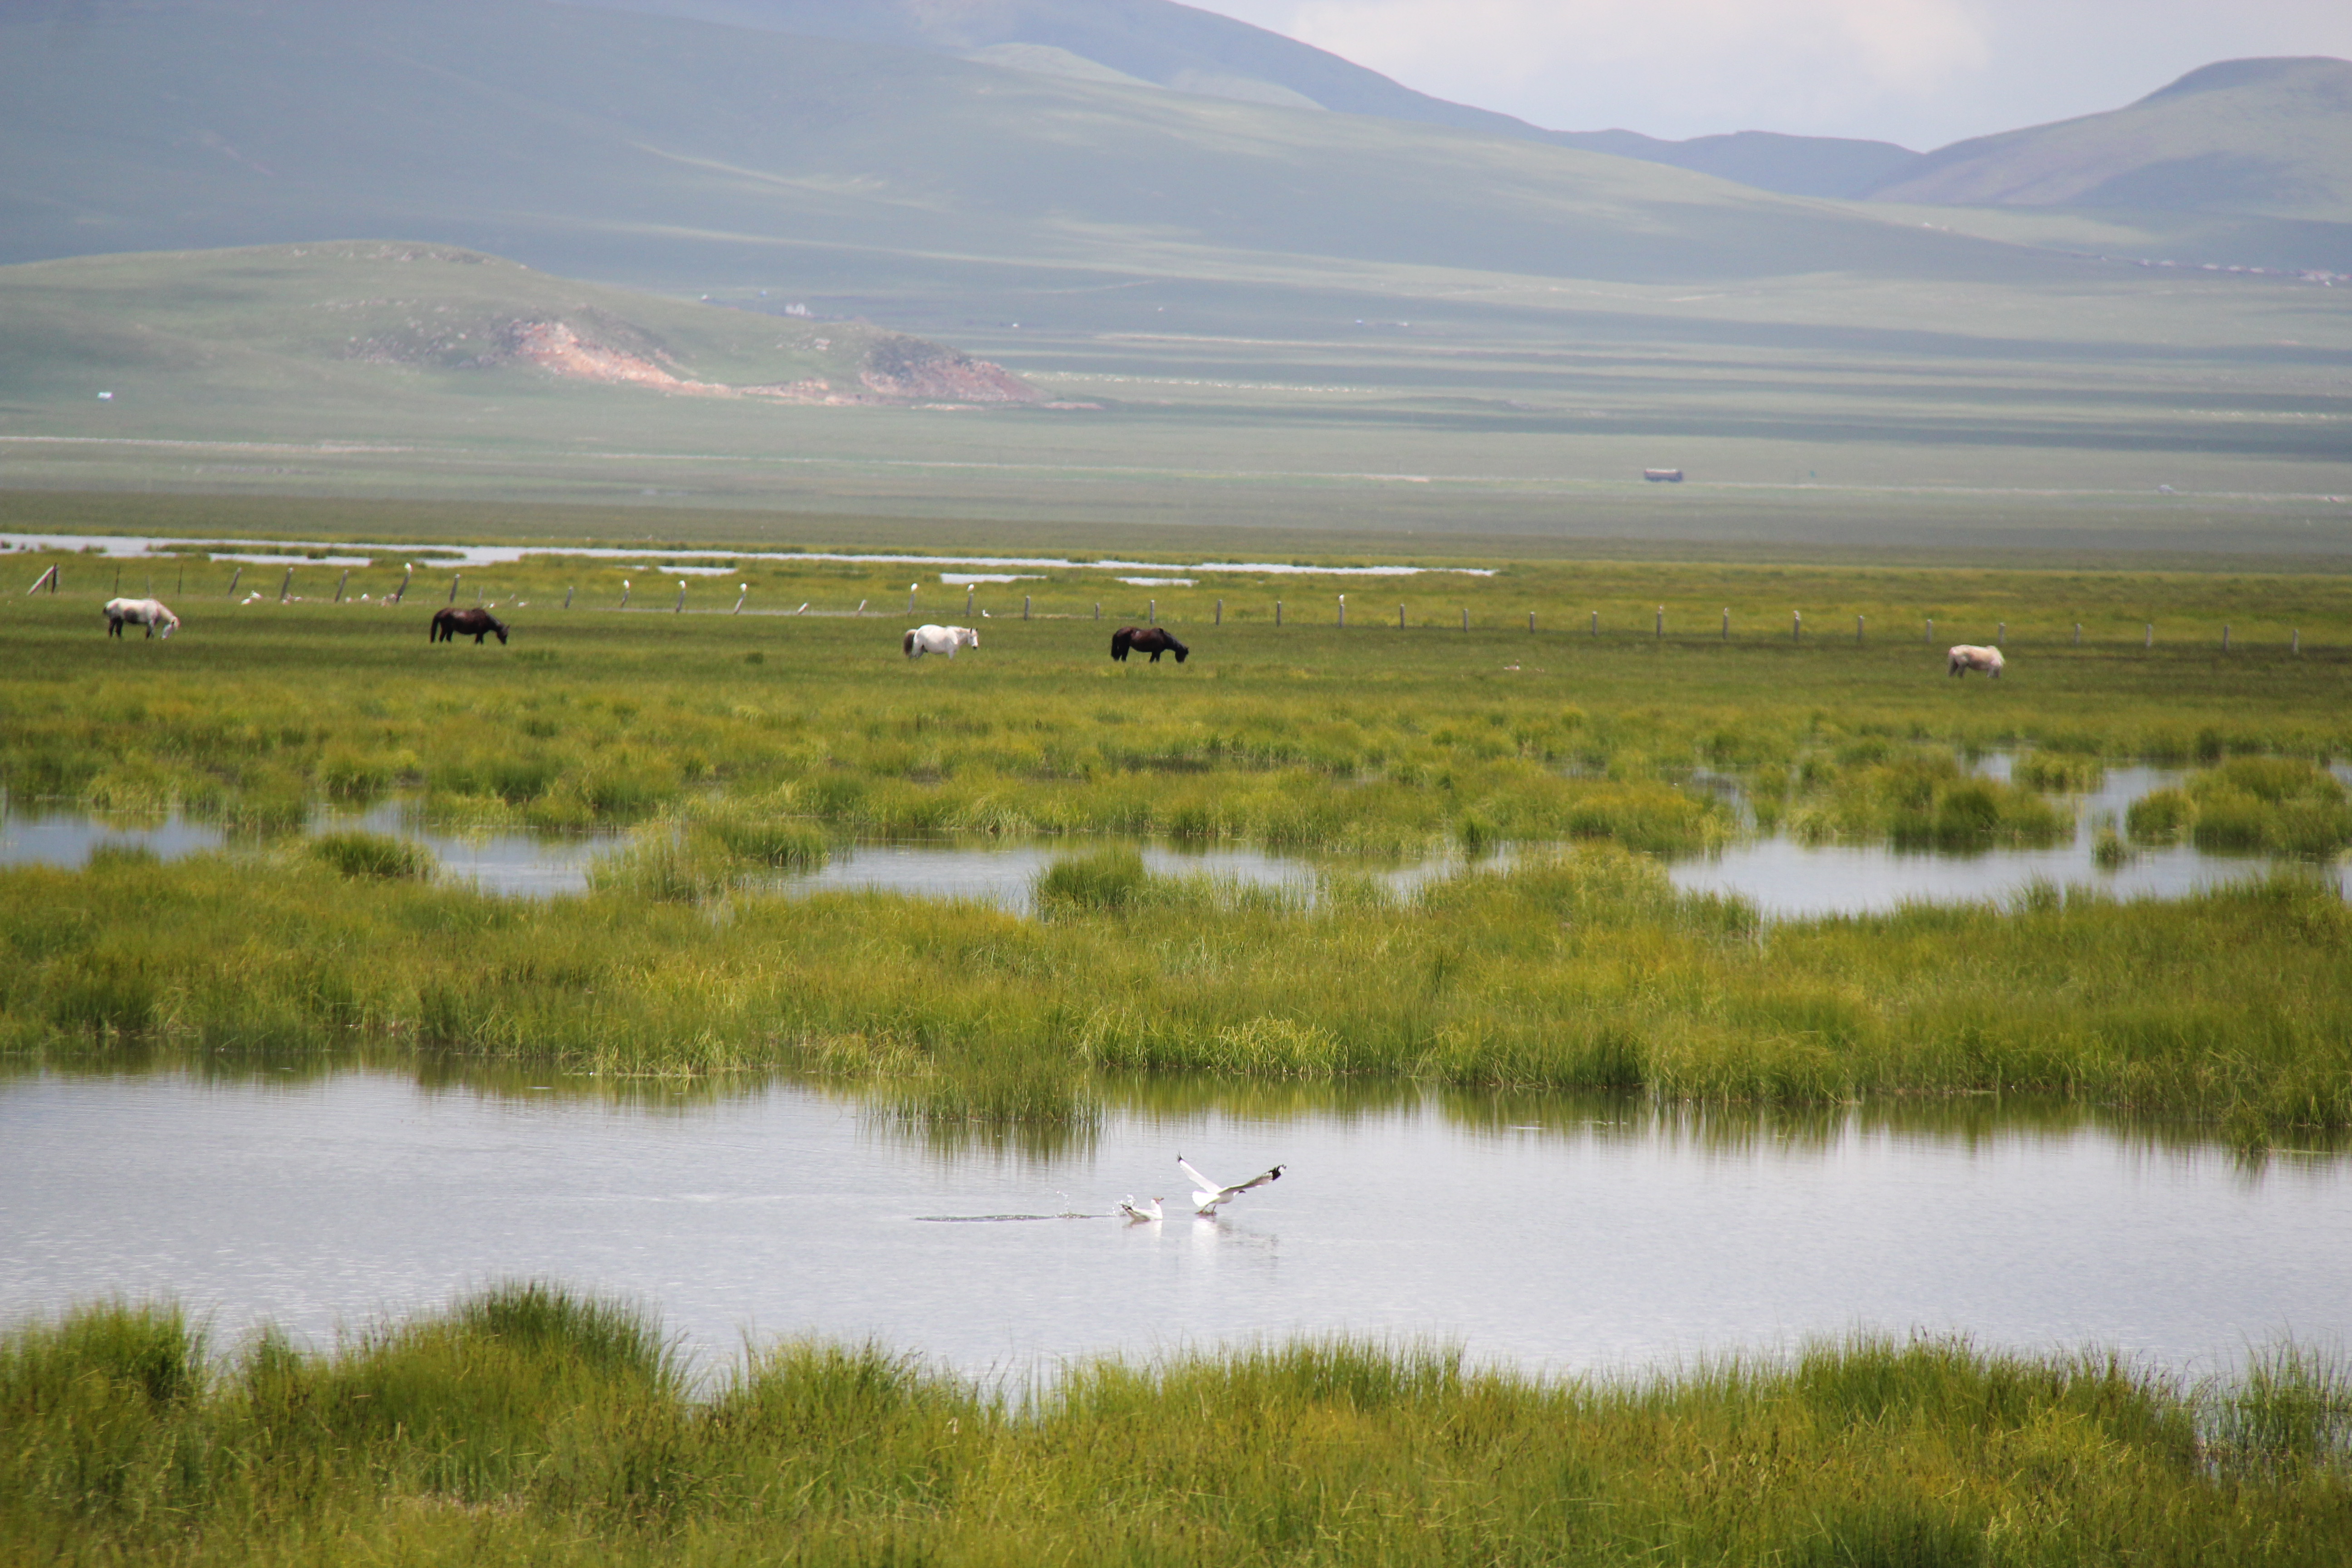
<point>892,369</point>
<point>908,369</point>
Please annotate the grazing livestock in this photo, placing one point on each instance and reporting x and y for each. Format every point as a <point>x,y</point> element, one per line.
<point>449,625</point>
<point>938,639</point>
<point>1965,657</point>
<point>1153,640</point>
<point>149,613</point>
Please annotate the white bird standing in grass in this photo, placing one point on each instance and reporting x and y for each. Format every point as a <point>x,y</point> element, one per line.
<point>1208,1195</point>
<point>1129,1206</point>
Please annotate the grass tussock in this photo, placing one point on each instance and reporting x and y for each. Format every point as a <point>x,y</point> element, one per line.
<point>358,854</point>
<point>2058,773</point>
<point>2275,805</point>
<point>1921,801</point>
<point>530,1422</point>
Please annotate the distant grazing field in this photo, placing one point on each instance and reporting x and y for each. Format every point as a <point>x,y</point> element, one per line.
<point>2089,413</point>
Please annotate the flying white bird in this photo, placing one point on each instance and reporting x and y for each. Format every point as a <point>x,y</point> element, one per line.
<point>1127,1206</point>
<point>1208,1195</point>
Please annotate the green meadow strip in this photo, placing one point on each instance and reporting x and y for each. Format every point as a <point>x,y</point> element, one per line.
<point>1369,740</point>
<point>526,1423</point>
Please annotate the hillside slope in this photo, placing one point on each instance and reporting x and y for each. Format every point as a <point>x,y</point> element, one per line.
<point>2267,138</point>
<point>1163,43</point>
<point>598,143</point>
<point>371,320</point>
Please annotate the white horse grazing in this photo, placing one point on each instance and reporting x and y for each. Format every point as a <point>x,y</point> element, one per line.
<point>1965,657</point>
<point>159,621</point>
<point>938,639</point>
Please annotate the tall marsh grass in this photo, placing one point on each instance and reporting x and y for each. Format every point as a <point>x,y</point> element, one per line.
<point>1587,969</point>
<point>530,1423</point>
<point>2277,806</point>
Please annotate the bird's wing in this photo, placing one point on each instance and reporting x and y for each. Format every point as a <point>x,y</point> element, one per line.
<point>1258,1181</point>
<point>1199,1181</point>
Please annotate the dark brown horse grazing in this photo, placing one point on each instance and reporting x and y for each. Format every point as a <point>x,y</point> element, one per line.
<point>1145,639</point>
<point>450,625</point>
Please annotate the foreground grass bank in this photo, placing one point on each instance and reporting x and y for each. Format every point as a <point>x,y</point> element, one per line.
<point>528,1425</point>
<point>1587,970</point>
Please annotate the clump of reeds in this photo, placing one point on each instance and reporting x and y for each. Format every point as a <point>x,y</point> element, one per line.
<point>2059,773</point>
<point>2159,816</point>
<point>2271,804</point>
<point>707,851</point>
<point>2291,1410</point>
<point>1919,800</point>
<point>360,854</point>
<point>1105,880</point>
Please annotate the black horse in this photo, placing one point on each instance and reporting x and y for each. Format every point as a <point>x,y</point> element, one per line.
<point>449,625</point>
<point>1145,639</point>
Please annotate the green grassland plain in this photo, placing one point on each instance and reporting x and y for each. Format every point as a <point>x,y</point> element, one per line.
<point>733,745</point>
<point>1432,409</point>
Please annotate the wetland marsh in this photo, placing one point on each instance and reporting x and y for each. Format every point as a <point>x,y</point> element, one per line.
<point>738,751</point>
<point>697,1078</point>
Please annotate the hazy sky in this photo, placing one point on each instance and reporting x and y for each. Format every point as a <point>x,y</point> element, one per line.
<point>1921,72</point>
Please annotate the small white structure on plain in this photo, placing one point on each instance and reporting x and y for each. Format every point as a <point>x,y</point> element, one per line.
<point>1208,1195</point>
<point>106,397</point>
<point>1136,1212</point>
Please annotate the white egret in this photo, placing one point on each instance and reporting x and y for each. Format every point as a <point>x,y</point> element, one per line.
<point>1132,1210</point>
<point>1209,1194</point>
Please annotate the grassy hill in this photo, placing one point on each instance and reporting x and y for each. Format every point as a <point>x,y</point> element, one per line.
<point>2270,138</point>
<point>1159,43</point>
<point>376,322</point>
<point>676,153</point>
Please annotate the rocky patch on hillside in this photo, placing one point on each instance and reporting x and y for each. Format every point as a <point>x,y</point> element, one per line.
<point>885,369</point>
<point>904,369</point>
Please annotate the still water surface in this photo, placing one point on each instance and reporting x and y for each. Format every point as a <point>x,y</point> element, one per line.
<point>1555,1232</point>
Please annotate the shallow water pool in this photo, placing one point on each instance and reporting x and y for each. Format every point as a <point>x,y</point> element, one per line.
<point>1551,1231</point>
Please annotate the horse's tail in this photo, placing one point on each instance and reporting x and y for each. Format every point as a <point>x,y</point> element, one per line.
<point>907,644</point>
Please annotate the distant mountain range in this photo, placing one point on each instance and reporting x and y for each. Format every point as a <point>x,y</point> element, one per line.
<point>951,148</point>
<point>2269,138</point>
<point>2263,137</point>
<point>602,143</point>
<point>1162,44</point>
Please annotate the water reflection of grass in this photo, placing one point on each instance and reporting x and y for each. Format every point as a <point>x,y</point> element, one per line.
<point>1582,971</point>
<point>525,1423</point>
